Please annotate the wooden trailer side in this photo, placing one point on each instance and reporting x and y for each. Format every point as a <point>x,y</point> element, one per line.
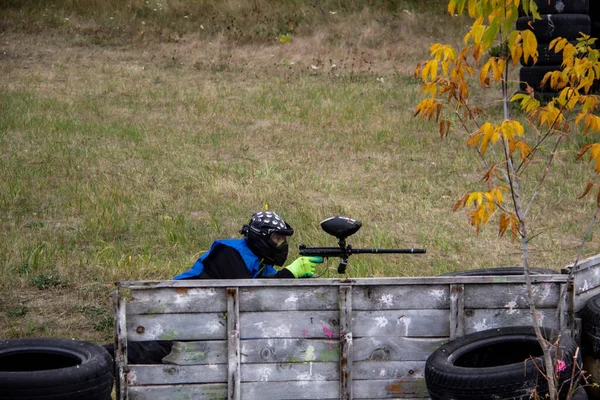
<point>310,339</point>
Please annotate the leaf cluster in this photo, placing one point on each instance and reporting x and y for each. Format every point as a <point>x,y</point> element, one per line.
<point>447,79</point>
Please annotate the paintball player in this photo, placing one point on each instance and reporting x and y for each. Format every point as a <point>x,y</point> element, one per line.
<point>264,245</point>
<point>253,256</point>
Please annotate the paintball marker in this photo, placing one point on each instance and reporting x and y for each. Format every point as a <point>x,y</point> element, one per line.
<point>341,228</point>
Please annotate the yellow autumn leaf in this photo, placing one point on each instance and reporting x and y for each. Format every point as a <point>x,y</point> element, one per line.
<point>499,196</point>
<point>529,45</point>
<point>476,197</point>
<point>490,133</point>
<point>515,47</point>
<point>558,44</point>
<point>500,68</point>
<point>424,107</point>
<point>429,70</point>
<point>523,148</point>
<point>474,139</point>
<point>595,155</point>
<point>483,73</point>
<point>490,203</point>
<point>594,150</point>
<point>588,103</point>
<point>510,128</point>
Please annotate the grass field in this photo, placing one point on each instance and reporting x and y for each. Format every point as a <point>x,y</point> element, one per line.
<point>134,133</point>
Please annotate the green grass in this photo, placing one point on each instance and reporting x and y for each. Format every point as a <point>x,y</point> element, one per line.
<point>123,156</point>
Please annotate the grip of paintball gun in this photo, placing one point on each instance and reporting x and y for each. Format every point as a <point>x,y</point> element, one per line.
<point>342,265</point>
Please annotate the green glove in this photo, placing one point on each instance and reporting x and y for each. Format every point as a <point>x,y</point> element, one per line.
<point>304,267</point>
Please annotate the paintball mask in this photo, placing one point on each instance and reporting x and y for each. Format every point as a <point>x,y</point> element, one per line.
<point>258,234</point>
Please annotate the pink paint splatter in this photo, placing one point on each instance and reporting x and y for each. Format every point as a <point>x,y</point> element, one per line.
<point>560,366</point>
<point>329,333</point>
<point>304,332</point>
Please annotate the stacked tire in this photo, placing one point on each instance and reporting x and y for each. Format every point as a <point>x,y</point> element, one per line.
<point>54,369</point>
<point>503,363</point>
<point>559,18</point>
<point>590,340</point>
<point>595,20</point>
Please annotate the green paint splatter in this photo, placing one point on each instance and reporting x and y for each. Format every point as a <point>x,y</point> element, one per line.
<point>321,296</point>
<point>171,335</point>
<point>332,354</point>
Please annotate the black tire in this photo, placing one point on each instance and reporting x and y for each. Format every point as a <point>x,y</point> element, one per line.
<point>533,77</point>
<point>591,365</point>
<point>500,271</point>
<point>596,31</point>
<point>501,363</point>
<point>562,6</point>
<point>594,10</point>
<point>590,327</point>
<point>579,394</point>
<point>546,56</point>
<point>54,369</point>
<point>590,344</point>
<point>550,27</point>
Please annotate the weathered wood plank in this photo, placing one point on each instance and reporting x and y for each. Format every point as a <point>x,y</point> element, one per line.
<point>479,320</point>
<point>291,390</point>
<point>585,281</point>
<point>588,278</point>
<point>590,262</point>
<point>377,370</point>
<point>285,372</point>
<point>233,344</point>
<point>254,390</point>
<point>165,374</point>
<point>400,323</point>
<point>201,300</point>
<point>177,300</point>
<point>290,350</point>
<point>291,324</point>
<point>119,304</point>
<point>346,346</point>
<point>288,298</point>
<point>308,324</point>
<point>388,348</point>
<point>212,391</point>
<point>317,324</point>
<point>383,348</point>
<point>564,305</point>
<point>140,375</point>
<point>400,297</point>
<point>209,326</point>
<point>457,311</point>
<point>513,296</point>
<point>432,280</point>
<point>198,352</point>
<point>256,351</point>
<point>381,389</point>
<point>389,389</point>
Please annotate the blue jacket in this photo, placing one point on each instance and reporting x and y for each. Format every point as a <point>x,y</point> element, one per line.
<point>251,260</point>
